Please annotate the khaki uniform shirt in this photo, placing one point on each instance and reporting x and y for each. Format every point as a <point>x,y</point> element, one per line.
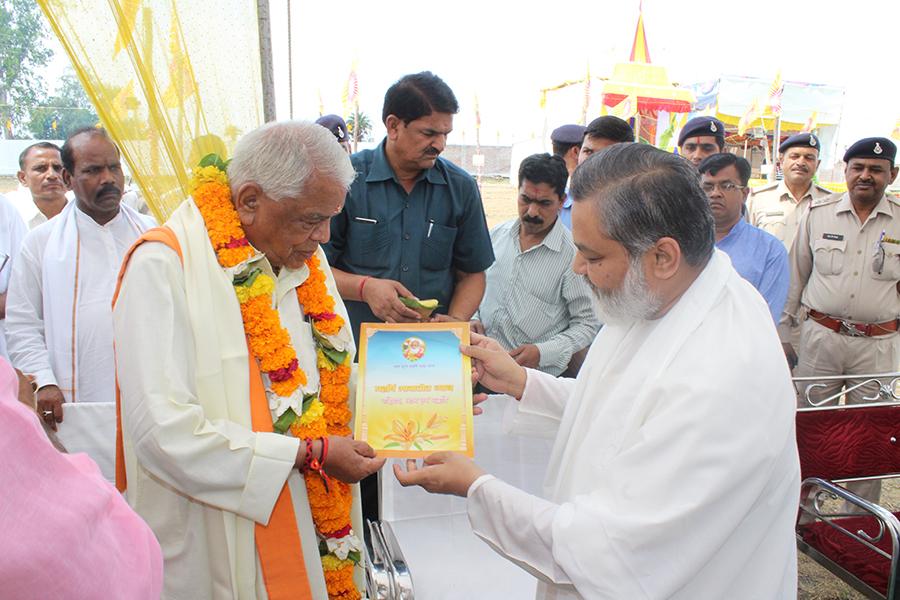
<point>772,208</point>
<point>833,263</point>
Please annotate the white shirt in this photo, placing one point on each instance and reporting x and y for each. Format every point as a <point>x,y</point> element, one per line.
<point>534,297</point>
<point>674,473</point>
<point>12,231</point>
<point>102,249</point>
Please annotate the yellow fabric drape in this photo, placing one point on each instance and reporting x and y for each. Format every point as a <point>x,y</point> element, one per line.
<point>171,81</point>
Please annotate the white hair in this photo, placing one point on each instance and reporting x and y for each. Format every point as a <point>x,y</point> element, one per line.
<point>281,157</point>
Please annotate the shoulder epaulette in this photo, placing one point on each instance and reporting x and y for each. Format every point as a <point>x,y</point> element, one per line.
<point>826,200</point>
<point>823,189</point>
<point>893,198</point>
<point>764,188</point>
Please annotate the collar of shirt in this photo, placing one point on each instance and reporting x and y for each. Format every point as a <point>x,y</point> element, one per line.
<point>784,194</point>
<point>845,205</point>
<point>553,240</point>
<point>381,169</point>
<point>735,232</point>
<point>85,220</point>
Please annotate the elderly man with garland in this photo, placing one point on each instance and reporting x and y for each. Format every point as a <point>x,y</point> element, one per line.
<point>234,360</point>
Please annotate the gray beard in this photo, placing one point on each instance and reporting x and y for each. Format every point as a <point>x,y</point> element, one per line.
<point>632,301</point>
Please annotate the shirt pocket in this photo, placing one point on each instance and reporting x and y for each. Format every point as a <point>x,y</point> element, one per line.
<point>770,220</point>
<point>536,319</point>
<point>437,247</point>
<point>890,270</point>
<point>369,244</point>
<point>828,256</point>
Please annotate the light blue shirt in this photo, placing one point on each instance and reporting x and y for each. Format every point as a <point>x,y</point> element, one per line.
<point>565,213</point>
<point>760,258</point>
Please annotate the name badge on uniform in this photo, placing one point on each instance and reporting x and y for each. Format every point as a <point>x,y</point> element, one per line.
<point>836,237</point>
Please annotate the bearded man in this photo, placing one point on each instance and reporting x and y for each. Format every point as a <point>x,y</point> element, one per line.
<point>229,329</point>
<point>674,473</point>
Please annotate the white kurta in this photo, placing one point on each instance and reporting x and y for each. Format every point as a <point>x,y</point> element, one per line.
<point>197,473</point>
<point>675,472</point>
<point>30,345</point>
<point>12,231</point>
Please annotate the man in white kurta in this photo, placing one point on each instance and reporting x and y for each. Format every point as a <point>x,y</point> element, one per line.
<point>675,472</point>
<point>196,471</point>
<point>12,231</point>
<point>59,320</point>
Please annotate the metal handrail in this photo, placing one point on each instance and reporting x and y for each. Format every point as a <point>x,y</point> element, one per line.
<point>888,393</point>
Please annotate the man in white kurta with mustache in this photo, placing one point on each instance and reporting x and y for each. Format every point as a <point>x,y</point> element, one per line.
<point>674,473</point>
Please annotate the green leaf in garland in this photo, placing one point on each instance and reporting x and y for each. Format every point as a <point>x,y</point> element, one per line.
<point>247,278</point>
<point>210,160</point>
<point>334,356</point>
<point>321,339</point>
<point>307,400</point>
<point>284,421</point>
<point>355,556</point>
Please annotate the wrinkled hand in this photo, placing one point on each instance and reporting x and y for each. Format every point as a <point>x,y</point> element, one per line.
<point>381,296</point>
<point>440,473</point>
<point>494,367</point>
<point>527,355</point>
<point>350,460</point>
<point>49,405</point>
<point>790,354</point>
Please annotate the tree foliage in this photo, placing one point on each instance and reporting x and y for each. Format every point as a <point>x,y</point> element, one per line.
<point>58,116</point>
<point>365,127</point>
<point>22,54</point>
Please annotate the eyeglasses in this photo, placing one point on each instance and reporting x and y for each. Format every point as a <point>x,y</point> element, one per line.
<point>725,186</point>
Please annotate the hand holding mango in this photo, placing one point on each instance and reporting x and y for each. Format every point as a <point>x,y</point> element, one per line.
<point>423,307</point>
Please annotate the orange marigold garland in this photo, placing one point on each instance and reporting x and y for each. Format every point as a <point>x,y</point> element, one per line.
<point>306,416</point>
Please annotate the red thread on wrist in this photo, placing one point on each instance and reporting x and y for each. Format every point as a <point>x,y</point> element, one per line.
<point>362,284</point>
<point>318,465</point>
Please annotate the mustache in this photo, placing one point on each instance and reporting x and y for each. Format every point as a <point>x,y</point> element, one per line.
<point>533,220</point>
<point>432,152</point>
<point>109,188</point>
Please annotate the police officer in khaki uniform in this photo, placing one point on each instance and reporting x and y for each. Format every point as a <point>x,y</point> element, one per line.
<point>778,207</point>
<point>845,271</point>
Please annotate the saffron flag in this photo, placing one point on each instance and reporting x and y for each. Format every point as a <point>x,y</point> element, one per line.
<point>812,122</point>
<point>773,102</point>
<point>351,90</point>
<point>751,116</point>
<point>640,53</point>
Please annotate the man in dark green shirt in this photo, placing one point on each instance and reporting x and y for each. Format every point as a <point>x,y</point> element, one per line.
<point>413,224</point>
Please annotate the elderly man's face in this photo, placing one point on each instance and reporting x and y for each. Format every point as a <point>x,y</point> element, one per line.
<point>289,231</point>
<point>695,149</point>
<point>416,146</point>
<point>867,178</point>
<point>619,284</point>
<point>539,206</point>
<point>42,174</point>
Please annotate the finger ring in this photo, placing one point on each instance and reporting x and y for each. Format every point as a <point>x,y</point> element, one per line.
<point>47,413</point>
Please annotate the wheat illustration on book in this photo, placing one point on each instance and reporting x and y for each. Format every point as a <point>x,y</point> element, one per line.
<point>413,435</point>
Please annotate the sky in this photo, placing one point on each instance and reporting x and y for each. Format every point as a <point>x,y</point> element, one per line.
<point>506,52</point>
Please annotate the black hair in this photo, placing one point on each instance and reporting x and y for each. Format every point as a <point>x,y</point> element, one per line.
<point>24,153</point>
<point>716,162</point>
<point>66,154</point>
<point>418,95</point>
<point>643,194</point>
<point>543,168</point>
<point>610,128</point>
